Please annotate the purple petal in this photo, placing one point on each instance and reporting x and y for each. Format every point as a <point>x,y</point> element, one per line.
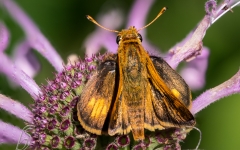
<point>23,56</point>
<point>191,46</point>
<point>227,88</point>
<point>4,37</point>
<point>12,134</point>
<point>194,72</point>
<point>139,7</point>
<point>15,108</point>
<point>34,36</point>
<point>142,7</point>
<point>98,39</point>
<point>109,20</point>
<point>20,77</point>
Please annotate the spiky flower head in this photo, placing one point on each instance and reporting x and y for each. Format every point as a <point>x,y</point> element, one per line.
<point>54,112</point>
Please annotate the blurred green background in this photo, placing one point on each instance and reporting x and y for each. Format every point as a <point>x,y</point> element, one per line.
<point>64,24</point>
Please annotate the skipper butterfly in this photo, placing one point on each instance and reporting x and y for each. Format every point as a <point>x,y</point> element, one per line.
<point>131,91</point>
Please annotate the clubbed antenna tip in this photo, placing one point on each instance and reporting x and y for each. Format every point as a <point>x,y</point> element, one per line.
<point>95,22</point>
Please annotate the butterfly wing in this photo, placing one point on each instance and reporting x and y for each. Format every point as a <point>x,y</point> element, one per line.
<point>170,98</point>
<point>173,80</point>
<point>170,111</point>
<point>96,98</point>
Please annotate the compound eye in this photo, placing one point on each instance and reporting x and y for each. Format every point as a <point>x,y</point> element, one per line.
<point>118,39</point>
<point>140,37</point>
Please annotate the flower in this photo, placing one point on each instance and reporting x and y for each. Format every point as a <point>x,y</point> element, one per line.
<point>58,93</point>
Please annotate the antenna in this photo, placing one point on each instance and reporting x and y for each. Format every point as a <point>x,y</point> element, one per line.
<point>159,14</point>
<point>95,22</point>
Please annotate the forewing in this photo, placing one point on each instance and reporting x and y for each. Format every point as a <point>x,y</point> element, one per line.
<point>96,98</point>
<point>168,107</point>
<point>173,80</point>
<point>169,110</point>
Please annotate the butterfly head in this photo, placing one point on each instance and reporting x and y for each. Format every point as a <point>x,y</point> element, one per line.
<point>129,35</point>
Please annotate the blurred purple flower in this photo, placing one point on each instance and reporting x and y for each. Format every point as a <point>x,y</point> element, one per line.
<point>188,49</point>
<point>102,39</point>
<point>138,22</point>
<point>194,71</point>
<point>4,37</point>
<point>34,37</point>
<point>23,56</point>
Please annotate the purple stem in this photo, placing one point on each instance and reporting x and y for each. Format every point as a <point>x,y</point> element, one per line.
<point>191,46</point>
